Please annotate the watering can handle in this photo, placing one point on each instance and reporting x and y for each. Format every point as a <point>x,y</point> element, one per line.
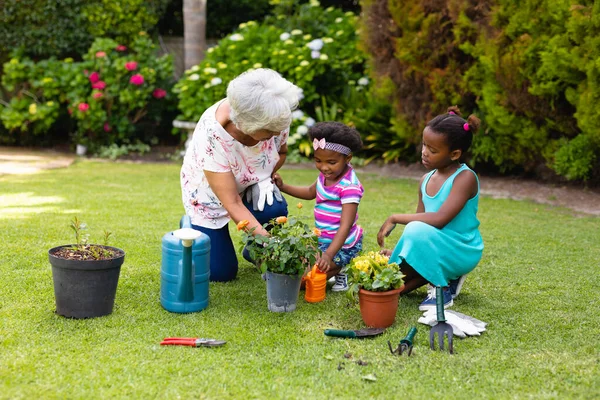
<point>185,222</point>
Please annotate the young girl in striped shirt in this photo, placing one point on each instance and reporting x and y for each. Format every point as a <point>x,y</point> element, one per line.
<point>338,192</point>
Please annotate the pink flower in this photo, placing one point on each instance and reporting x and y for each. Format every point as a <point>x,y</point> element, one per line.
<point>94,77</point>
<point>97,95</point>
<point>159,93</point>
<point>120,48</point>
<point>131,66</point>
<point>70,110</point>
<point>99,85</point>
<point>83,107</point>
<point>107,127</point>
<point>100,54</point>
<point>137,80</point>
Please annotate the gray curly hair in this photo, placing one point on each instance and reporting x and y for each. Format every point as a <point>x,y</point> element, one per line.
<point>262,99</point>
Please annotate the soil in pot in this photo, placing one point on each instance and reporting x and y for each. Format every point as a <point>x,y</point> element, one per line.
<point>85,287</point>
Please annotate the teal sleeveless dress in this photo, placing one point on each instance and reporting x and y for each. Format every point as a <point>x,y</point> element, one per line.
<point>440,255</point>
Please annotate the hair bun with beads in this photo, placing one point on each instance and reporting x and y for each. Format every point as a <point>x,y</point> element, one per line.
<point>454,110</point>
<point>473,122</point>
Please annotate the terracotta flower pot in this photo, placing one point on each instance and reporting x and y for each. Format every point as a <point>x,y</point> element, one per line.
<point>378,309</point>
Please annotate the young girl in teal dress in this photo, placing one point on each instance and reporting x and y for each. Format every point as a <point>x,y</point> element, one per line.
<point>441,242</point>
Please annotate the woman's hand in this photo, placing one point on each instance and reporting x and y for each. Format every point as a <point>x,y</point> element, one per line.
<point>385,230</point>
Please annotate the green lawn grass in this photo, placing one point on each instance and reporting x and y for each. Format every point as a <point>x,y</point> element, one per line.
<point>536,287</point>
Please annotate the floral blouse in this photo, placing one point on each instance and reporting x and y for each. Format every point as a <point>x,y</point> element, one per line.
<point>213,149</point>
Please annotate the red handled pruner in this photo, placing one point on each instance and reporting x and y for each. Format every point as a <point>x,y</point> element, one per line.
<point>194,342</point>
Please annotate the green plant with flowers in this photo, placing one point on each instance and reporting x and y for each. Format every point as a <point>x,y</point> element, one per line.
<point>315,48</point>
<point>107,94</point>
<point>115,87</point>
<point>373,272</point>
<point>291,248</point>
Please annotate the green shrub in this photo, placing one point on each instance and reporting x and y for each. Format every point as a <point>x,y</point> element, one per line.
<point>109,94</point>
<point>44,28</point>
<point>123,20</point>
<point>38,91</point>
<point>114,88</point>
<point>316,49</point>
<point>66,28</point>
<point>527,68</point>
<point>574,158</point>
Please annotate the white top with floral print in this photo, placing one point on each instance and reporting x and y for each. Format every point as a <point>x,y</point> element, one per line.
<point>213,149</point>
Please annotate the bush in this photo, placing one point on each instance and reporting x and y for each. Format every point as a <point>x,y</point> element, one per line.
<point>44,28</point>
<point>114,88</point>
<point>38,91</point>
<point>530,72</point>
<point>66,28</point>
<point>314,48</point>
<point>108,94</point>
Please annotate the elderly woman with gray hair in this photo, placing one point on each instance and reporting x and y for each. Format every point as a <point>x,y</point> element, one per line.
<point>238,144</point>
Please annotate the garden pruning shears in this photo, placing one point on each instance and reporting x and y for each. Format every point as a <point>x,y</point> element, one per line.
<point>194,342</point>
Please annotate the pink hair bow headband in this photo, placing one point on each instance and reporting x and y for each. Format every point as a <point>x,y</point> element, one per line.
<point>338,148</point>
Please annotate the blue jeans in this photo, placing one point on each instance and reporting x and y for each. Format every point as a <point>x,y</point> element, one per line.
<point>343,257</point>
<point>223,260</point>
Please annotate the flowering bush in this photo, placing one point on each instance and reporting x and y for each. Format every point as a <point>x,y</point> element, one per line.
<point>115,87</point>
<point>291,248</point>
<point>316,49</point>
<point>372,271</point>
<point>107,94</point>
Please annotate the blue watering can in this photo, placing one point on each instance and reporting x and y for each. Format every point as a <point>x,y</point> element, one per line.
<point>185,269</point>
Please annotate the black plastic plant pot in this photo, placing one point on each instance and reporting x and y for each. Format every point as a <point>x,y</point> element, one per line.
<point>85,288</point>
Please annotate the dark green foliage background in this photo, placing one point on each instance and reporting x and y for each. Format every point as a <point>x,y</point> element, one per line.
<point>527,68</point>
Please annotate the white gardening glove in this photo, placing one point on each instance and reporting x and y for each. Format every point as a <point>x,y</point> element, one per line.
<point>462,325</point>
<point>259,193</point>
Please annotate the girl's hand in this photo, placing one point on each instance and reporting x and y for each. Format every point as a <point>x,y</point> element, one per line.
<point>277,180</point>
<point>324,263</point>
<point>385,252</point>
<point>384,231</point>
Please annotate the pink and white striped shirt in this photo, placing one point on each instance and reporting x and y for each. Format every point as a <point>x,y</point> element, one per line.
<point>328,207</point>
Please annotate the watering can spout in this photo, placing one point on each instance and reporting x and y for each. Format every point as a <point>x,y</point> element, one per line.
<point>186,282</point>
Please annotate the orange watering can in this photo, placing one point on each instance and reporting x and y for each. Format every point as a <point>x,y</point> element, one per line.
<point>316,283</point>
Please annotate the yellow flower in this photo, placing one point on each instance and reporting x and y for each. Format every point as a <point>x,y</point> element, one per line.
<point>32,108</point>
<point>317,232</point>
<point>281,220</point>
<point>299,205</point>
<point>257,65</point>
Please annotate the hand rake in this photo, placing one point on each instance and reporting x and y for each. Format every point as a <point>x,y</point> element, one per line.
<point>442,327</point>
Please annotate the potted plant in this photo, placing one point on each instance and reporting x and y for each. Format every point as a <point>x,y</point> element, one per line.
<point>85,275</point>
<point>283,257</point>
<point>378,284</point>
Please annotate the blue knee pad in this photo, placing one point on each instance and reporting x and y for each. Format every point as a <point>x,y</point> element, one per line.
<point>223,261</point>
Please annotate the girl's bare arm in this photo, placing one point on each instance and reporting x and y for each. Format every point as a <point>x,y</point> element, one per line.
<point>464,188</point>
<point>300,192</point>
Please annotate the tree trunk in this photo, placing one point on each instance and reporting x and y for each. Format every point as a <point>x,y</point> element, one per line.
<point>194,31</point>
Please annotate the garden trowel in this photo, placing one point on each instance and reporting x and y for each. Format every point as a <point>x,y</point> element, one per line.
<point>367,332</point>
